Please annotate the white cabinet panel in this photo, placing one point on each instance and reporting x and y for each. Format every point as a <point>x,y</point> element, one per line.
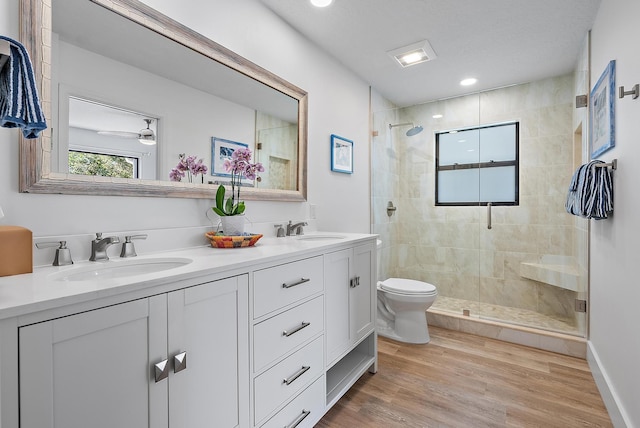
<point>282,285</point>
<point>96,369</point>
<point>90,369</point>
<point>337,275</point>
<point>305,410</point>
<point>350,296</point>
<point>363,294</point>
<point>209,323</point>
<point>286,378</point>
<point>282,333</point>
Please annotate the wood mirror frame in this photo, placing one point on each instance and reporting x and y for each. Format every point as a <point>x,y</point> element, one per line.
<point>35,155</point>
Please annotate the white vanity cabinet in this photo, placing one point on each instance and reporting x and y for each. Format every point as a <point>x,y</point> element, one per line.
<point>177,359</point>
<point>249,338</point>
<point>350,295</point>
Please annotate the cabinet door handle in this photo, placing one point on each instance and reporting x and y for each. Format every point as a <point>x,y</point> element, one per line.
<point>161,370</point>
<point>289,380</point>
<point>179,362</point>
<point>354,282</point>
<point>489,204</point>
<point>297,329</point>
<point>299,419</point>
<point>294,283</point>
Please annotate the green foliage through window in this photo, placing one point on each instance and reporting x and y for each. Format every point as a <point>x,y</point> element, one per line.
<point>102,165</point>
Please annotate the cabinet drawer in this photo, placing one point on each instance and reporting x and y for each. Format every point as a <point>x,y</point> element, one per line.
<point>280,334</point>
<point>310,403</point>
<point>279,286</point>
<point>287,378</point>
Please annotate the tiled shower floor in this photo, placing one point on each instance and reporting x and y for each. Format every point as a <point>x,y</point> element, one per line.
<point>521,317</point>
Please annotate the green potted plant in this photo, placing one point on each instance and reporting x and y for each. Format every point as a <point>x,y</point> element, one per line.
<point>231,209</point>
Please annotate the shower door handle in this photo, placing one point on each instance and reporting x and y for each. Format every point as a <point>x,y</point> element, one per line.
<point>489,215</point>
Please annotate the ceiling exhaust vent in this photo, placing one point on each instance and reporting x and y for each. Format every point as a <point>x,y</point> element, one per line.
<point>413,54</point>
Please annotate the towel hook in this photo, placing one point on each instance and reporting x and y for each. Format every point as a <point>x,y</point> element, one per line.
<point>634,92</point>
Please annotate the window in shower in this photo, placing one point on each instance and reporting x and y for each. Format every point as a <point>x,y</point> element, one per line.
<point>478,165</point>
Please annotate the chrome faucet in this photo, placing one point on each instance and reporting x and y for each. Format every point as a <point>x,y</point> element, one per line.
<point>99,247</point>
<point>297,227</point>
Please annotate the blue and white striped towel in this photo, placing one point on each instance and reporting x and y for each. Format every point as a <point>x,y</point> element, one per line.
<point>590,192</point>
<point>19,102</point>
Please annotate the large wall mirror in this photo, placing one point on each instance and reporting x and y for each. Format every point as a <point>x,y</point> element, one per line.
<point>128,91</point>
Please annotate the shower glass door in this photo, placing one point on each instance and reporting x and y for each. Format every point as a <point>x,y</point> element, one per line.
<point>528,270</point>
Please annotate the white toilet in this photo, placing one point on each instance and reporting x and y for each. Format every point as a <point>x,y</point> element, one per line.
<point>402,306</point>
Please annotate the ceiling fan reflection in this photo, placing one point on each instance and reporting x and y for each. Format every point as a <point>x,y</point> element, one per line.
<point>145,135</point>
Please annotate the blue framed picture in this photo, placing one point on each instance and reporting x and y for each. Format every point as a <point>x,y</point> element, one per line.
<point>341,154</point>
<point>222,150</point>
<point>602,112</point>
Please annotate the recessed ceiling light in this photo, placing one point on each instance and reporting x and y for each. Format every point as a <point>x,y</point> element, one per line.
<point>321,3</point>
<point>413,54</point>
<point>469,81</point>
<point>437,116</point>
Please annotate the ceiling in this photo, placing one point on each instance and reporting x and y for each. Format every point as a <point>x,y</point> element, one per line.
<point>499,42</point>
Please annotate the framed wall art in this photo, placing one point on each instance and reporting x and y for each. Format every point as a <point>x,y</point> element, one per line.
<point>341,154</point>
<point>222,150</point>
<point>602,112</point>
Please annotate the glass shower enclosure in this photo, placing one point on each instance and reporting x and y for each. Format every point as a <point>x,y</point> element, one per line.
<point>479,198</point>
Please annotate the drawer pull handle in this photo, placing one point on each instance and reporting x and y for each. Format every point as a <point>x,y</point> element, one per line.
<point>161,370</point>
<point>298,282</point>
<point>299,419</point>
<point>297,329</point>
<point>296,375</point>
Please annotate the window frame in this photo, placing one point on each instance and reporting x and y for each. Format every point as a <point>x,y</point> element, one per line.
<point>480,165</point>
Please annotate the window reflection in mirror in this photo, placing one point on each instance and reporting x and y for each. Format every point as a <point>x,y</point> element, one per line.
<point>107,141</point>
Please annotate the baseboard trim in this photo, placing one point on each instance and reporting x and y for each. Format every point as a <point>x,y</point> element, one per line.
<point>617,414</point>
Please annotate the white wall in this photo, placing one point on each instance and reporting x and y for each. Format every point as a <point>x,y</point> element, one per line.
<point>615,291</point>
<point>338,103</point>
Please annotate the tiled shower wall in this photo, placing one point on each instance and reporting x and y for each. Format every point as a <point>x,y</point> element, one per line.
<point>451,247</point>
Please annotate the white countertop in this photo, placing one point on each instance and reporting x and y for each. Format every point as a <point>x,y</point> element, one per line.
<point>43,289</point>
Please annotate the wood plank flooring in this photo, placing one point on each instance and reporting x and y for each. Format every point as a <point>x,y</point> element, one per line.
<point>463,380</point>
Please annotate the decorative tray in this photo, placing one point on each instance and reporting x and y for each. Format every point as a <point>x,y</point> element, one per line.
<point>224,241</point>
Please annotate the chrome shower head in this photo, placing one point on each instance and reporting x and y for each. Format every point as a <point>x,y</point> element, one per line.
<point>411,132</point>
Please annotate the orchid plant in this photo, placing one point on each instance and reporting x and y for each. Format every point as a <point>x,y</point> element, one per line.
<point>239,166</point>
<point>188,167</point>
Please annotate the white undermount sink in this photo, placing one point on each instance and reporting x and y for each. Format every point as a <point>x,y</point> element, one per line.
<point>319,237</point>
<point>119,269</point>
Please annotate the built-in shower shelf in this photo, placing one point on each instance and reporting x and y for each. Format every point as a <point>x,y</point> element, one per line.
<point>558,275</point>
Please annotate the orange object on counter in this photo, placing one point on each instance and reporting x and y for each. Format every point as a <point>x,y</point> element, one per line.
<point>16,250</point>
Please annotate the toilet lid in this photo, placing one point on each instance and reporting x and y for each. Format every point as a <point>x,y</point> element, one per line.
<point>407,286</point>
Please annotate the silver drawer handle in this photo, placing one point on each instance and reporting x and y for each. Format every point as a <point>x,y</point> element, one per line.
<point>296,375</point>
<point>297,329</point>
<point>299,419</point>
<point>293,284</point>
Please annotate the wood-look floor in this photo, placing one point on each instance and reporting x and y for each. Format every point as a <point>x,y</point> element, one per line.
<point>463,380</point>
